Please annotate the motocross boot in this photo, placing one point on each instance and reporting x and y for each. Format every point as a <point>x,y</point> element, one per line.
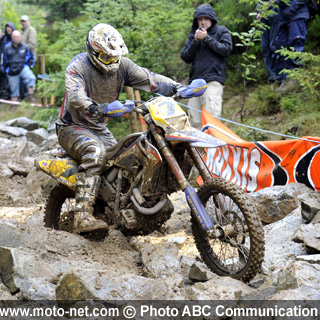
<point>86,192</point>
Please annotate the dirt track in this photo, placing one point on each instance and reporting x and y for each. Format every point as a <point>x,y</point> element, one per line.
<point>22,200</point>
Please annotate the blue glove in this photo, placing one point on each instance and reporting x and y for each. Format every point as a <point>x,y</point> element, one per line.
<point>114,109</point>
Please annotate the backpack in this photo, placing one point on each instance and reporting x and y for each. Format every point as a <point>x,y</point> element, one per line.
<point>314,7</point>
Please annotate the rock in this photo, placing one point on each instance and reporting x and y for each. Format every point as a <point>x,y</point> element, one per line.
<point>275,203</point>
<point>199,272</point>
<point>178,241</point>
<point>71,287</point>
<point>301,275</point>
<point>37,136</point>
<point>19,169</point>
<point>79,284</point>
<point>23,122</point>
<point>5,172</point>
<point>218,288</point>
<point>310,204</point>
<point>160,262</point>
<point>5,293</point>
<point>316,218</point>
<point>279,246</point>
<point>7,131</point>
<point>312,258</point>
<point>309,235</point>
<point>28,273</point>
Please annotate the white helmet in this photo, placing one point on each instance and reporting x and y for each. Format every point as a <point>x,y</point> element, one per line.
<point>105,47</point>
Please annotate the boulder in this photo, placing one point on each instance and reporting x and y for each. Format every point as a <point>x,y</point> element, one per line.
<point>37,136</point>
<point>309,235</point>
<point>8,131</point>
<point>275,203</point>
<point>23,122</point>
<point>279,246</point>
<point>310,204</point>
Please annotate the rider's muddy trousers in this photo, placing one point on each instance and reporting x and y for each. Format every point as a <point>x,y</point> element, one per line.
<point>88,147</point>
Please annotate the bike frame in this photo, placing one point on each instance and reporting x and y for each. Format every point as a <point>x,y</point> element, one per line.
<point>193,200</point>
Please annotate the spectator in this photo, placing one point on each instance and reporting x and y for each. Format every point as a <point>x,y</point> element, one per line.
<point>5,40</point>
<point>3,79</point>
<point>292,32</point>
<point>268,38</point>
<point>207,48</point>
<point>9,28</point>
<point>29,34</point>
<point>18,62</point>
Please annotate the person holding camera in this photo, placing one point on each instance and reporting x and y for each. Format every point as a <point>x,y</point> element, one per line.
<point>207,48</point>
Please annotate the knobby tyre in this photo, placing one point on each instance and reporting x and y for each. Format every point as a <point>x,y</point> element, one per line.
<point>237,247</point>
<point>59,208</point>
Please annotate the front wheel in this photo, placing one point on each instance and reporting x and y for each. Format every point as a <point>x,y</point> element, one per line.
<point>236,246</point>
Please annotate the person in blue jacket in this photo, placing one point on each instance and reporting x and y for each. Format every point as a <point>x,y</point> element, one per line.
<point>207,48</point>
<point>293,18</point>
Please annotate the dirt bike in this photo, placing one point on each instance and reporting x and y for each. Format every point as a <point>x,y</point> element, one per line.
<point>145,167</point>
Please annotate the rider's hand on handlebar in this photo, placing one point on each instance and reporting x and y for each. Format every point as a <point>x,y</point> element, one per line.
<point>114,109</point>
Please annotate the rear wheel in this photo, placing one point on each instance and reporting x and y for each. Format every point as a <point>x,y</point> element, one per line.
<point>60,209</point>
<point>236,246</point>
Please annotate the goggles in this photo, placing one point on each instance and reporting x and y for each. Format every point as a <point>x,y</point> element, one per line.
<point>106,59</point>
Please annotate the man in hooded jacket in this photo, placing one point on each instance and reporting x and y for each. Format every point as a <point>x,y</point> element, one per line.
<point>207,48</point>
<point>5,40</point>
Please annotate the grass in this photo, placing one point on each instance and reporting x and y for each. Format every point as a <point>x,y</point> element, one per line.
<point>295,113</point>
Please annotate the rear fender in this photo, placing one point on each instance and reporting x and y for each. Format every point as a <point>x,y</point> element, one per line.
<point>62,170</point>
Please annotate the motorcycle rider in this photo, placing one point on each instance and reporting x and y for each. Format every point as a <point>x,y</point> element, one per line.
<point>93,82</point>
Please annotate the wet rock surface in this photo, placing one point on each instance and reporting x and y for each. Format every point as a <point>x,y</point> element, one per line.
<point>37,263</point>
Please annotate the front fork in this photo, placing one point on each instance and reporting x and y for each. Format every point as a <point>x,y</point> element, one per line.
<point>197,208</point>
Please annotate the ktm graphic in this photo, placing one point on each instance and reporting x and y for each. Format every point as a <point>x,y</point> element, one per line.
<point>257,165</point>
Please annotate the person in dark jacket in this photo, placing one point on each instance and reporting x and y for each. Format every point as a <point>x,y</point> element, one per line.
<point>207,48</point>
<point>5,40</point>
<point>18,62</point>
<point>292,33</point>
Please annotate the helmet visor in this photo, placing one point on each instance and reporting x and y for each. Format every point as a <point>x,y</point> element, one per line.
<point>107,59</point>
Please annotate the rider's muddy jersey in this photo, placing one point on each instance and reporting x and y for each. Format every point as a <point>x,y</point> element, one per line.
<point>86,85</point>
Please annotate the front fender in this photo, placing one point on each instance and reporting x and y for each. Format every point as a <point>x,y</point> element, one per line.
<point>196,138</point>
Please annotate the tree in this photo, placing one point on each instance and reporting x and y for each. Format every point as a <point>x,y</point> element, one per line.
<point>59,9</point>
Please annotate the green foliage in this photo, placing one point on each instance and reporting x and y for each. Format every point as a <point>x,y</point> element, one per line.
<point>313,36</point>
<point>119,127</point>
<point>292,104</point>
<point>250,134</point>
<point>234,14</point>
<point>58,9</point>
<point>154,33</point>
<point>9,15</point>
<point>308,75</point>
<point>263,101</point>
<point>46,114</point>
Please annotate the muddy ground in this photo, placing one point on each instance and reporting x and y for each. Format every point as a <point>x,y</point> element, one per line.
<point>22,200</point>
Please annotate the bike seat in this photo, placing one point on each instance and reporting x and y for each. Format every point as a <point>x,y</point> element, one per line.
<point>113,151</point>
